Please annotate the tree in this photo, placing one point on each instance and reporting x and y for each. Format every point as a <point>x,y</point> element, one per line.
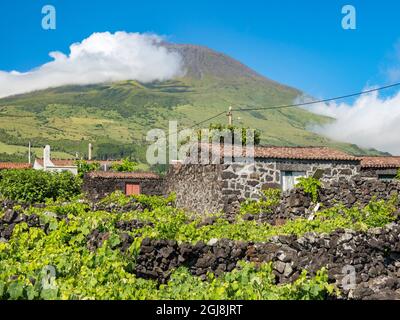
<point>217,129</point>
<point>37,186</point>
<point>84,167</point>
<point>125,166</point>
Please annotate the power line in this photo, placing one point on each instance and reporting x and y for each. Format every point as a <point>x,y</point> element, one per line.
<point>323,100</point>
<point>211,118</point>
<point>199,123</point>
<point>293,105</point>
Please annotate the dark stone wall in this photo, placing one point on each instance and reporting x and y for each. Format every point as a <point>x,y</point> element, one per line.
<point>97,187</point>
<point>359,191</point>
<point>248,180</point>
<point>198,188</point>
<point>372,256</point>
<point>214,187</point>
<point>376,172</point>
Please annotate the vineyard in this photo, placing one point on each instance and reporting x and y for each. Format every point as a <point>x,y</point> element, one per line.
<point>70,248</point>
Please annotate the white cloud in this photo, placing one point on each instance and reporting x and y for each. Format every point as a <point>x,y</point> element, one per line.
<point>102,57</point>
<point>391,66</point>
<point>371,122</point>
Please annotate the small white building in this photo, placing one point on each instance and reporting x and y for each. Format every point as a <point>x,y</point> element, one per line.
<point>59,165</point>
<point>56,165</point>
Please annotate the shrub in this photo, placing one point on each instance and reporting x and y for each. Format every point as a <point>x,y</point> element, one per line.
<point>84,167</point>
<point>152,202</point>
<point>310,186</point>
<point>38,186</point>
<point>107,272</point>
<point>247,282</point>
<point>217,128</point>
<point>270,198</point>
<point>125,166</point>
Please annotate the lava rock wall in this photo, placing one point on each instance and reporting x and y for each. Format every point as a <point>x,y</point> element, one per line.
<point>373,256</point>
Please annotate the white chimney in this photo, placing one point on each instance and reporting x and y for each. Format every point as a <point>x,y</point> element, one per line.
<point>90,151</point>
<point>46,157</point>
<point>29,153</point>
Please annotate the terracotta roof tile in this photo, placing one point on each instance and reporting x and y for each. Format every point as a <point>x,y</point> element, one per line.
<point>388,162</point>
<point>71,162</point>
<point>122,175</point>
<point>59,162</point>
<point>291,153</point>
<point>302,153</point>
<point>14,165</point>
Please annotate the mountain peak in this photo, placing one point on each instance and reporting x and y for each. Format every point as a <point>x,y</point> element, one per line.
<point>112,115</point>
<point>200,62</point>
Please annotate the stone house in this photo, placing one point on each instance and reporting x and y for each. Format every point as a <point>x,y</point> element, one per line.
<point>223,185</point>
<point>98,184</point>
<point>380,167</point>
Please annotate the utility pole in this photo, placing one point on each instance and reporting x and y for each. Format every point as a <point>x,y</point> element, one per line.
<point>229,115</point>
<point>29,153</point>
<point>90,147</point>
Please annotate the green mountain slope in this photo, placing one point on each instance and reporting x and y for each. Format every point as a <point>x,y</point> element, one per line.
<point>115,117</point>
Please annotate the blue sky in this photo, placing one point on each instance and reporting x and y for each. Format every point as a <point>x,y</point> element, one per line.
<point>299,43</point>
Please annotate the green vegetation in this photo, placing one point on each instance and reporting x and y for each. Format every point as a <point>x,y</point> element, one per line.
<point>149,202</point>
<point>125,166</point>
<point>246,283</point>
<point>310,186</point>
<point>85,167</point>
<point>19,153</point>
<point>105,274</point>
<point>57,264</point>
<point>38,186</point>
<point>174,224</point>
<point>115,117</point>
<point>270,199</point>
<point>217,128</point>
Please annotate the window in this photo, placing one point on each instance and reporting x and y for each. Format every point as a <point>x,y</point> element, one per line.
<point>132,188</point>
<point>289,179</point>
<point>386,177</point>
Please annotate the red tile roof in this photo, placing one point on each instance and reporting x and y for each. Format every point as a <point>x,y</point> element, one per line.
<point>71,162</point>
<point>388,162</point>
<point>59,162</point>
<point>14,165</point>
<point>122,175</point>
<point>291,153</point>
<point>302,153</point>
